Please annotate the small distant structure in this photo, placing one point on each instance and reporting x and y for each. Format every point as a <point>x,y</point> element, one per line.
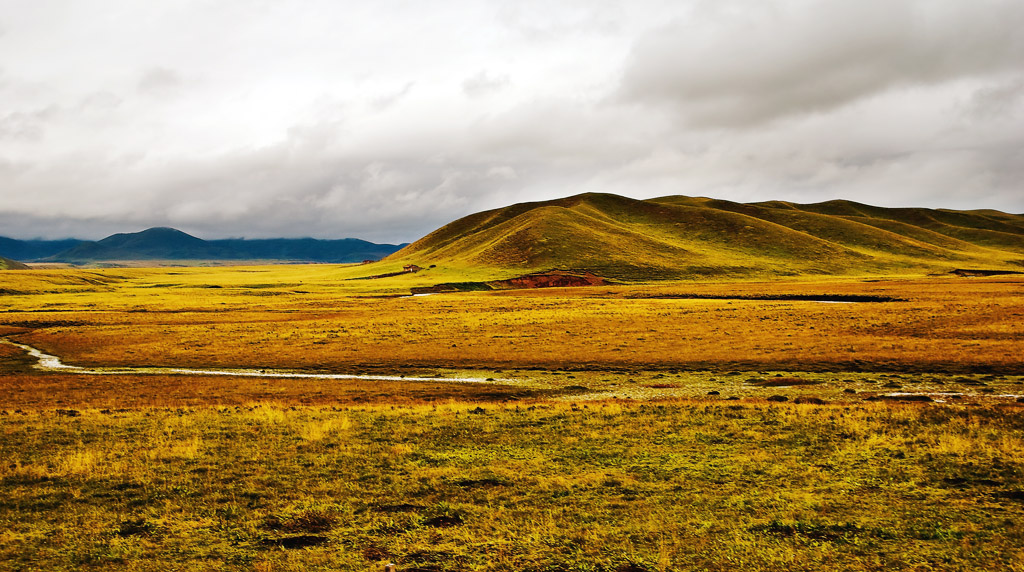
<point>411,268</point>
<point>369,261</point>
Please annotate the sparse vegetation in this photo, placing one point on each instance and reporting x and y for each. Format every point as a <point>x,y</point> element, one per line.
<point>633,427</point>
<point>659,485</point>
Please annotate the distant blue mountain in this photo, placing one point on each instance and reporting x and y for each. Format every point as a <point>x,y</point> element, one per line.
<point>33,250</point>
<point>171,244</point>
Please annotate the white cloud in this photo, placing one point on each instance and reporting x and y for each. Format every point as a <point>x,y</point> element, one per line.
<point>387,101</point>
<point>483,83</point>
<point>160,81</point>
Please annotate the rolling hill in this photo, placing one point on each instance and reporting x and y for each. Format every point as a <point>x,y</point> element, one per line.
<point>172,244</point>
<point>8,264</point>
<point>154,243</point>
<point>680,237</point>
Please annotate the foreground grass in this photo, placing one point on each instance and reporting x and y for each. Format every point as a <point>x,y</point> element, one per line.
<point>613,485</point>
<point>540,471</point>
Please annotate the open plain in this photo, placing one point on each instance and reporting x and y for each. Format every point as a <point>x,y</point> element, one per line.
<point>511,286</point>
<point>856,423</point>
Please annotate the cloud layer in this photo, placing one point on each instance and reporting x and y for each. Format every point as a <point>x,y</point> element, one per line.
<point>740,64</point>
<point>385,121</point>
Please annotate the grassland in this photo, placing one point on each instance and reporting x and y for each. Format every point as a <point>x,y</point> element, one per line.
<point>628,428</point>
<point>685,237</point>
<point>311,317</point>
<point>549,486</point>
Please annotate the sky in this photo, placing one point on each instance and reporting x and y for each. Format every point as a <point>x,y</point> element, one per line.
<point>385,120</point>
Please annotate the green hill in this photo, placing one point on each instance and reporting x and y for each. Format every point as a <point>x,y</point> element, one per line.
<point>8,264</point>
<point>679,237</point>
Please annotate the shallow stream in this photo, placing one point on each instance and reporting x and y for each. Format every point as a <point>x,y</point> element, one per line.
<point>47,362</point>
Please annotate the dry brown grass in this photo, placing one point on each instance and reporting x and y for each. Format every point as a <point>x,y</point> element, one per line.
<point>942,324</point>
<point>157,472</point>
<point>57,390</point>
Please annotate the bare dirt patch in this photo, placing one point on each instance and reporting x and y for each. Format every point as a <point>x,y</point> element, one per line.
<point>552,279</point>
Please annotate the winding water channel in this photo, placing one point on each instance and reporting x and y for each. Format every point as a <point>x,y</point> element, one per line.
<point>47,362</point>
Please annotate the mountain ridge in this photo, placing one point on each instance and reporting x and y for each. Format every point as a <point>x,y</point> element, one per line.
<point>679,236</point>
<point>34,250</point>
<point>165,243</point>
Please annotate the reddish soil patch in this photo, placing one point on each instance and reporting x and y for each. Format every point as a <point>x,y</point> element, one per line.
<point>553,279</point>
<point>979,272</point>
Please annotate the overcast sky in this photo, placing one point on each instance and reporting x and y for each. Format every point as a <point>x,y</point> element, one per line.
<point>384,120</point>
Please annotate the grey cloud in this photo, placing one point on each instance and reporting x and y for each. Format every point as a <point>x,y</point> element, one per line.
<point>311,184</point>
<point>271,195</point>
<point>160,81</point>
<point>384,102</point>
<point>293,188</point>
<point>32,226</point>
<point>100,101</point>
<point>483,84</point>
<point>893,103</point>
<point>322,131</point>
<point>561,132</point>
<point>998,100</point>
<point>27,126</point>
<point>743,63</point>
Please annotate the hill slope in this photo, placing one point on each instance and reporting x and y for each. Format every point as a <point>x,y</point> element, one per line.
<point>8,264</point>
<point>172,244</point>
<point>677,236</point>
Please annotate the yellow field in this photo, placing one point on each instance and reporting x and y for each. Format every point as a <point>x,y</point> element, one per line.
<point>311,317</point>
<point>631,428</point>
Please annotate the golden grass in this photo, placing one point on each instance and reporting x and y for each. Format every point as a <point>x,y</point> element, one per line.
<point>579,457</point>
<point>640,486</point>
<point>683,237</point>
<point>32,390</point>
<point>309,317</point>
